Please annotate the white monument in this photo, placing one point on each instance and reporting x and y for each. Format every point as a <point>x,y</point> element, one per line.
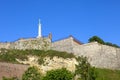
<point>39,30</point>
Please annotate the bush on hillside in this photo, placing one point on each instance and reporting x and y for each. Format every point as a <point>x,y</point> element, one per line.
<point>99,40</point>
<point>58,74</point>
<point>96,39</point>
<point>12,55</point>
<point>111,44</point>
<point>32,74</point>
<point>84,69</point>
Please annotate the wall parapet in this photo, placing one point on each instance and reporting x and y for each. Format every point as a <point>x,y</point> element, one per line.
<point>31,43</point>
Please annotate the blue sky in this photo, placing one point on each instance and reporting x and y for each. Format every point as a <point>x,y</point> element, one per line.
<point>80,18</point>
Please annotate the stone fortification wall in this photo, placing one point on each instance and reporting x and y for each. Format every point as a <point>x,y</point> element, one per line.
<point>12,70</point>
<point>99,55</point>
<point>31,43</point>
<point>5,45</point>
<point>63,45</point>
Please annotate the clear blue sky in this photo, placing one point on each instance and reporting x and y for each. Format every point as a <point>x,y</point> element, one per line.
<point>80,18</point>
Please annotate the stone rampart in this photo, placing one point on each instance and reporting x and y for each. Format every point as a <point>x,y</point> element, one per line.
<point>12,70</point>
<point>31,43</point>
<point>99,55</point>
<point>5,45</point>
<point>63,45</point>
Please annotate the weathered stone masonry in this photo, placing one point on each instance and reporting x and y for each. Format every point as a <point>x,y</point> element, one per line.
<point>31,43</point>
<point>98,55</point>
<point>12,70</point>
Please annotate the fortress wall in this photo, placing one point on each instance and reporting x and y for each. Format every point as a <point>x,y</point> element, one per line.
<point>40,43</point>
<point>31,43</point>
<point>4,45</point>
<point>85,49</point>
<point>63,45</point>
<point>12,70</point>
<point>101,56</point>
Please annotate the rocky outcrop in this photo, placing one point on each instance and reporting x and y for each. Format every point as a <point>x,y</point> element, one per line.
<point>51,63</point>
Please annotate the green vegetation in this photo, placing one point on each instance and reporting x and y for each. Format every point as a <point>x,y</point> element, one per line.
<point>99,40</point>
<point>13,78</point>
<point>58,74</point>
<point>102,74</point>
<point>106,74</point>
<point>84,69</point>
<point>111,44</point>
<point>90,73</point>
<point>11,55</point>
<point>32,74</point>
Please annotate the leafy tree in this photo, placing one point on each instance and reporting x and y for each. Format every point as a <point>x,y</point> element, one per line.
<point>58,74</point>
<point>110,44</point>
<point>84,70</point>
<point>31,74</point>
<point>99,40</point>
<point>92,74</point>
<point>96,38</point>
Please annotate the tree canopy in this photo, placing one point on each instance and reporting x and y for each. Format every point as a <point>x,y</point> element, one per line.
<point>97,39</point>
<point>101,41</point>
<point>58,74</point>
<point>31,74</point>
<point>84,69</point>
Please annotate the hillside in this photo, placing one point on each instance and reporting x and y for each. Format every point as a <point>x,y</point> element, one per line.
<point>45,60</point>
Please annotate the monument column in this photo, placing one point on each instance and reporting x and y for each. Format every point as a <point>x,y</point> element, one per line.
<point>39,30</point>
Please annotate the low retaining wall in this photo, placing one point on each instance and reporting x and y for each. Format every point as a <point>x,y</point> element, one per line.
<point>12,70</point>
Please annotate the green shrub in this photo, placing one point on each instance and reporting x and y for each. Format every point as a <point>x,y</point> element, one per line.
<point>84,69</point>
<point>32,74</point>
<point>97,39</point>
<point>40,61</point>
<point>7,58</point>
<point>13,78</point>
<point>111,44</point>
<point>11,55</point>
<point>58,74</point>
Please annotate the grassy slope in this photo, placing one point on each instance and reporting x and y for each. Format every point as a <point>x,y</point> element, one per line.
<point>106,74</point>
<point>10,55</point>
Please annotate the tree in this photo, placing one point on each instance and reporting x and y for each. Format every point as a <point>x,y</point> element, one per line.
<point>99,40</point>
<point>31,74</point>
<point>111,44</point>
<point>58,74</point>
<point>84,70</point>
<point>96,38</point>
